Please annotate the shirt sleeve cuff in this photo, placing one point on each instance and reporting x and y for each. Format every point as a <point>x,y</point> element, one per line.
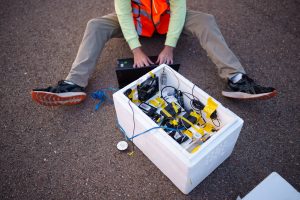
<point>171,41</point>
<point>134,43</point>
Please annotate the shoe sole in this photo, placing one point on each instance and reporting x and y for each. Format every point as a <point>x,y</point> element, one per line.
<point>245,96</point>
<point>58,99</point>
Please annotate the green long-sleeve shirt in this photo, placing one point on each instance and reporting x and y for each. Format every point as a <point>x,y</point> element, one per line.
<point>177,19</point>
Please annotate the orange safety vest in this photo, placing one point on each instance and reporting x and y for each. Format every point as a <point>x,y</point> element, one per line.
<point>150,16</point>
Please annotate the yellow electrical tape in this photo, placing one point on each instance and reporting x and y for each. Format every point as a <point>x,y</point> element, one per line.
<point>151,74</point>
<point>210,107</point>
<point>208,127</point>
<point>188,133</point>
<point>161,101</point>
<point>186,120</point>
<point>175,107</point>
<point>166,112</point>
<point>157,102</point>
<point>205,138</point>
<point>196,149</point>
<point>201,121</point>
<point>194,114</point>
<point>198,117</point>
<point>158,120</point>
<point>154,103</point>
<point>136,101</point>
<point>174,122</point>
<point>199,130</point>
<point>131,95</point>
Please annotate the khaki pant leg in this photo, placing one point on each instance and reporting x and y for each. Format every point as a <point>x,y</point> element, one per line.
<point>98,31</point>
<point>204,27</point>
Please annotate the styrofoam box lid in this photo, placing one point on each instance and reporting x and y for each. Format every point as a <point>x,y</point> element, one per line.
<point>273,187</point>
<point>231,120</point>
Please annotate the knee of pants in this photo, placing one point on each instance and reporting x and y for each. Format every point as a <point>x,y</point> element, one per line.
<point>206,20</point>
<point>95,24</point>
<point>201,21</point>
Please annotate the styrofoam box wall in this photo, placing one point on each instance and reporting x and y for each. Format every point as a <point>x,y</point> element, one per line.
<point>184,169</point>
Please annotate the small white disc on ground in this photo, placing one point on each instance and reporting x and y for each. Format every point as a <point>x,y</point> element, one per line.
<point>122,145</point>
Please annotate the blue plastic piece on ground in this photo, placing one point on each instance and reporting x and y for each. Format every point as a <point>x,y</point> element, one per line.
<point>102,96</point>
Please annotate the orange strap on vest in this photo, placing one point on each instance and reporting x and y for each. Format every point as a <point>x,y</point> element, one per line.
<point>151,15</point>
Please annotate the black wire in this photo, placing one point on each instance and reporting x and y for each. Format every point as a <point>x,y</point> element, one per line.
<point>194,97</point>
<point>185,94</point>
<point>161,92</point>
<point>219,123</point>
<point>193,107</point>
<point>193,90</point>
<point>133,125</point>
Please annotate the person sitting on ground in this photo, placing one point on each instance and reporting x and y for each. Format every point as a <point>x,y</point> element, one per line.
<point>136,18</point>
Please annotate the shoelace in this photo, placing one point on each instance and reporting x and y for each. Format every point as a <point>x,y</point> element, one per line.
<point>248,85</point>
<point>62,86</point>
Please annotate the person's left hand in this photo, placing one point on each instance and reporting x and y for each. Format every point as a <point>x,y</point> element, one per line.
<point>166,56</point>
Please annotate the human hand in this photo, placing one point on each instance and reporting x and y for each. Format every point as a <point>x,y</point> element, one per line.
<point>140,59</point>
<point>166,56</point>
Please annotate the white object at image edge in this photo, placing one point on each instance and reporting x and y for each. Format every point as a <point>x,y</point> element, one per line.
<point>122,145</point>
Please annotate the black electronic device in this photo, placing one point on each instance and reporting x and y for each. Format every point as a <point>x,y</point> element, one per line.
<point>179,98</point>
<point>127,93</point>
<point>214,115</point>
<point>148,88</point>
<point>170,111</point>
<point>156,118</point>
<point>190,118</point>
<point>200,106</point>
<point>127,74</point>
<point>179,137</point>
<point>148,109</point>
<point>151,112</point>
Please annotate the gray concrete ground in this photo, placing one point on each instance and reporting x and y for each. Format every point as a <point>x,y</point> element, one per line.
<point>70,152</point>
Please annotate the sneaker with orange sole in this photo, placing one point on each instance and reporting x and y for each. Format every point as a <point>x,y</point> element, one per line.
<point>62,94</point>
<point>246,88</point>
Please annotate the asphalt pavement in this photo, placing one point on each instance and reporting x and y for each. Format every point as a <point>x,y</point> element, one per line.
<point>70,152</point>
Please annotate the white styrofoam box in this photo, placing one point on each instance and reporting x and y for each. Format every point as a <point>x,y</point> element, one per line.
<point>273,187</point>
<point>184,169</point>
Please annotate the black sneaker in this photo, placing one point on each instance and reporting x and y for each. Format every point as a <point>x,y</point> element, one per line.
<point>62,94</point>
<point>246,88</point>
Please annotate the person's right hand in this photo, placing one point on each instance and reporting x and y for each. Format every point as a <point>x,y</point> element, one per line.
<point>140,59</point>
